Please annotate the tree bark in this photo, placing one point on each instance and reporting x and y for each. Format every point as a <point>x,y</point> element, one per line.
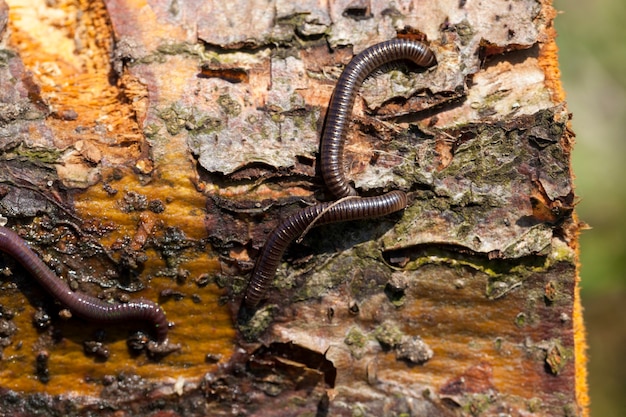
<point>149,148</point>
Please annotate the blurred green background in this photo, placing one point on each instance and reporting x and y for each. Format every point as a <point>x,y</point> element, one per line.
<point>592,56</point>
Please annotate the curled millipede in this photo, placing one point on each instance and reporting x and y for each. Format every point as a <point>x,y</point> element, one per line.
<point>83,305</point>
<point>342,102</point>
<point>292,227</point>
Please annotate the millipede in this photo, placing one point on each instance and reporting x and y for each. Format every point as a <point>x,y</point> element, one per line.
<point>83,305</point>
<point>342,102</point>
<point>351,208</point>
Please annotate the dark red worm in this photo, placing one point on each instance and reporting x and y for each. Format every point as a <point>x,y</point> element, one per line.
<point>342,102</point>
<point>294,226</point>
<point>85,306</point>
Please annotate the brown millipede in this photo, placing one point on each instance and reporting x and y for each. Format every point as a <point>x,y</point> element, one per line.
<point>342,102</point>
<point>293,226</point>
<point>83,305</point>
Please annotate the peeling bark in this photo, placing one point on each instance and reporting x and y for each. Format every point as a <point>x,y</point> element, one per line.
<point>150,148</point>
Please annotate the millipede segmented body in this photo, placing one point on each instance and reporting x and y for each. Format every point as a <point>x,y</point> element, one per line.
<point>294,226</point>
<point>83,305</point>
<point>342,102</point>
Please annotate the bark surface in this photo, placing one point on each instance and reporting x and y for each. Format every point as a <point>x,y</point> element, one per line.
<point>147,149</point>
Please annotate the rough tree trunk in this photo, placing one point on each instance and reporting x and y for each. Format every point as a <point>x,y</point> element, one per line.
<point>148,148</point>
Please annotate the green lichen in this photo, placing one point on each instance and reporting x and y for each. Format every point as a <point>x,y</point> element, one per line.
<point>388,334</point>
<point>561,252</point>
<point>358,410</point>
<point>497,269</point>
<point>557,356</point>
<point>177,118</point>
<point>151,130</point>
<point>497,344</point>
<point>228,105</point>
<point>258,323</point>
<point>465,31</point>
<point>180,48</point>
<point>356,342</point>
<point>38,154</point>
<point>319,284</point>
<point>478,404</point>
<point>5,56</point>
<point>164,50</point>
<point>534,404</point>
<point>171,116</point>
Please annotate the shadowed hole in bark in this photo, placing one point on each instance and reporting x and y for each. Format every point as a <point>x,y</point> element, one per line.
<point>295,361</point>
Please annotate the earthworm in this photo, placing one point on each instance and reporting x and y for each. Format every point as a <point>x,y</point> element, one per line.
<point>83,305</point>
<point>342,102</point>
<point>352,208</point>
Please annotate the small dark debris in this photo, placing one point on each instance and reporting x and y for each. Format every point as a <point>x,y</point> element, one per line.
<point>212,358</point>
<point>156,206</point>
<point>109,189</point>
<point>97,349</point>
<point>7,328</point>
<point>41,366</point>
<point>108,380</point>
<point>133,201</point>
<point>203,280</point>
<point>137,342</point>
<point>182,275</point>
<point>159,350</point>
<point>140,341</point>
<point>170,293</point>
<point>510,34</point>
<point>6,313</point>
<point>41,319</point>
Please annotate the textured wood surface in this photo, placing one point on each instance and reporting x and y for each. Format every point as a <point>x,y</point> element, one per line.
<point>148,148</point>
